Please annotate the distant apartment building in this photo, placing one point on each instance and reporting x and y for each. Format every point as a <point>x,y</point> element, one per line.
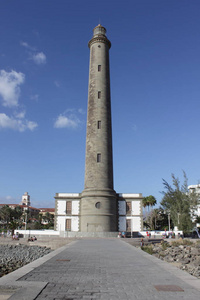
<point>196,189</point>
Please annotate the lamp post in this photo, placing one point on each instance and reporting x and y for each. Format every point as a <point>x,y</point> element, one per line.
<point>131,223</point>
<point>169,221</point>
<point>25,222</point>
<point>178,218</point>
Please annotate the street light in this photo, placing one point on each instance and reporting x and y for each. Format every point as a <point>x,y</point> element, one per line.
<point>169,221</point>
<point>25,222</point>
<point>168,213</point>
<point>131,223</point>
<point>178,218</point>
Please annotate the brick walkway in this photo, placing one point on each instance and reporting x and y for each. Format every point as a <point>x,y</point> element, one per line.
<point>109,269</point>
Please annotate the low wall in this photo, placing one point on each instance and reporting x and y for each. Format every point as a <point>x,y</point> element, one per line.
<point>49,233</point>
<point>73,234</point>
<point>42,232</point>
<point>159,234</point>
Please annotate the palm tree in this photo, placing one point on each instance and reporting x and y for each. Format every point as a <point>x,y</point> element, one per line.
<point>5,214</point>
<point>144,203</point>
<point>14,224</point>
<point>151,200</point>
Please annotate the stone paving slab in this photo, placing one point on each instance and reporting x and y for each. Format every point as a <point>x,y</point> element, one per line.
<point>104,269</point>
<point>12,288</point>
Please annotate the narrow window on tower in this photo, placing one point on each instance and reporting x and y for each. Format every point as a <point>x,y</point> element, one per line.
<point>98,157</point>
<point>98,124</point>
<point>99,95</point>
<point>99,68</point>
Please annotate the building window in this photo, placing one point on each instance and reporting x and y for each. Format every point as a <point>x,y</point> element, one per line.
<point>98,157</point>
<point>98,205</point>
<point>99,46</point>
<point>99,68</point>
<point>99,95</point>
<point>98,124</point>
<point>128,208</point>
<point>128,225</point>
<point>68,207</point>
<point>68,224</point>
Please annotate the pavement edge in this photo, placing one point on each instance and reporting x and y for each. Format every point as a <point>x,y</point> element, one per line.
<point>27,290</point>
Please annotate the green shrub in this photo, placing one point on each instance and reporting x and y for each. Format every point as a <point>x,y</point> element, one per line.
<point>147,249</point>
<point>165,245</point>
<point>187,242</point>
<point>176,243</point>
<point>182,242</point>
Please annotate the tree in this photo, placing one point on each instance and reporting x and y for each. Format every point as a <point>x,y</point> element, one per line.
<point>49,219</point>
<point>144,203</point>
<point>14,224</point>
<point>5,214</point>
<point>179,202</point>
<point>149,201</point>
<point>17,213</point>
<point>11,217</point>
<point>156,219</point>
<point>197,220</point>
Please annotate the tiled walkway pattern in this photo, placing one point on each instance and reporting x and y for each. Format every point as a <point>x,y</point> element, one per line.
<point>107,269</point>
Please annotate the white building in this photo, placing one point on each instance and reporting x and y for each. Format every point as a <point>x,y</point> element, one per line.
<point>196,189</point>
<point>67,213</point>
<point>26,199</point>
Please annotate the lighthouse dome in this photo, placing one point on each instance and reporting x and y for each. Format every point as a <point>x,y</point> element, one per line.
<point>99,30</point>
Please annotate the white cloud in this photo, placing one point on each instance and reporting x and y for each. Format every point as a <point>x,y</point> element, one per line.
<point>66,122</point>
<point>27,46</point>
<point>34,97</point>
<point>39,58</point>
<point>9,87</point>
<point>20,115</point>
<point>8,200</point>
<point>24,44</point>
<point>31,125</point>
<point>81,111</point>
<point>16,123</point>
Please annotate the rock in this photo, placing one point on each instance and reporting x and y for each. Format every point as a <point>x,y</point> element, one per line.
<point>181,247</point>
<point>195,251</point>
<point>183,256</point>
<point>13,257</point>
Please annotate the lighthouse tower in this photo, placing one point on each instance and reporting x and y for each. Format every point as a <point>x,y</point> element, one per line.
<point>98,211</point>
<point>98,205</point>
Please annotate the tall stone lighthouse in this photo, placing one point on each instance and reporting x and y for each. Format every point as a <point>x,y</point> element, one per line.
<point>98,204</point>
<point>98,211</point>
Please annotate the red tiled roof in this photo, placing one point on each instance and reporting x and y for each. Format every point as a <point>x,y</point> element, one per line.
<point>19,205</point>
<point>47,209</point>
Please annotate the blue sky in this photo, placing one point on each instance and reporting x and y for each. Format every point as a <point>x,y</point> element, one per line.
<point>155,92</point>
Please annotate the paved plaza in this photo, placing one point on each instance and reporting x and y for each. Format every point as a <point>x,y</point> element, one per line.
<point>107,269</point>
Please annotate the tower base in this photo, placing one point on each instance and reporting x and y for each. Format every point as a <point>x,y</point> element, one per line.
<point>79,234</point>
<point>98,211</point>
